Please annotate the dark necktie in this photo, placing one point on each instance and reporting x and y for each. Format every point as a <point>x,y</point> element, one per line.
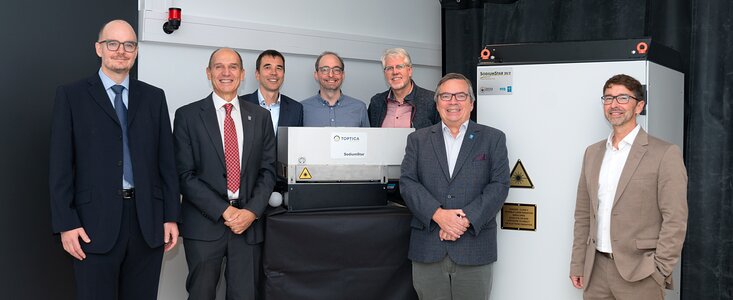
<point>231,150</point>
<point>121,111</point>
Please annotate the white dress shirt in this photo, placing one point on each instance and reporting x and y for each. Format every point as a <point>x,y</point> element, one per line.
<point>237,117</point>
<point>453,145</point>
<point>611,168</point>
<point>274,109</point>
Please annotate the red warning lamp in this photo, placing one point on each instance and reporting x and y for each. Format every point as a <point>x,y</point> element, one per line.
<point>642,47</point>
<point>174,20</point>
<point>485,54</point>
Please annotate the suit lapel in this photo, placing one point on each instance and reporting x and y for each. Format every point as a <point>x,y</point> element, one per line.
<point>469,139</point>
<point>283,112</point>
<point>595,159</point>
<point>96,89</point>
<point>248,122</point>
<point>133,101</point>
<point>636,153</point>
<point>436,137</point>
<point>211,123</point>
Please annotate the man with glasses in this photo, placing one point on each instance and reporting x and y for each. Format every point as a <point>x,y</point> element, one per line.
<point>631,207</point>
<point>113,184</point>
<point>455,178</point>
<point>404,104</point>
<point>330,107</point>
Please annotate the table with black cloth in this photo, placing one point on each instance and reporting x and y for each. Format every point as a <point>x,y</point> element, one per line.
<point>338,254</point>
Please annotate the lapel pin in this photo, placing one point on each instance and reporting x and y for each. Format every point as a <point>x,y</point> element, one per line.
<point>249,118</point>
<point>470,136</point>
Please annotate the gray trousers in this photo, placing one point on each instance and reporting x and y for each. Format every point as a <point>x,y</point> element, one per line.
<point>446,280</point>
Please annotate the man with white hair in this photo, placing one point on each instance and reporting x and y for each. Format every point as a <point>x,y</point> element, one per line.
<point>404,104</point>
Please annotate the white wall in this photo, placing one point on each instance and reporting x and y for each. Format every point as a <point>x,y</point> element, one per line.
<point>358,30</point>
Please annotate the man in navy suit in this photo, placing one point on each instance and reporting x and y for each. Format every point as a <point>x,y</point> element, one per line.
<point>270,74</point>
<point>112,175</point>
<point>455,178</point>
<point>225,154</point>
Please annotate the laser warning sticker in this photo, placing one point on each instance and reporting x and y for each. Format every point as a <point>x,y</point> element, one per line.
<point>519,177</point>
<point>305,174</point>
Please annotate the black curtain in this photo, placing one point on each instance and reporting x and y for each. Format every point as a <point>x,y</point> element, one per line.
<point>44,44</point>
<point>707,261</point>
<point>700,30</point>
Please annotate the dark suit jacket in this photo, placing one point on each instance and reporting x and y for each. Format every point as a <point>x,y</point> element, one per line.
<point>291,111</point>
<point>202,169</point>
<point>649,214</point>
<point>479,186</point>
<point>85,167</point>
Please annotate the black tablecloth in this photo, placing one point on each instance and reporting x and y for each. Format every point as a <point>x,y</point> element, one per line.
<point>346,254</point>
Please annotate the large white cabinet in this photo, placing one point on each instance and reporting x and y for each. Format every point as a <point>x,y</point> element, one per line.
<point>546,98</point>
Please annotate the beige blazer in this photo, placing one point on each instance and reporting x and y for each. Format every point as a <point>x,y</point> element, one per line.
<point>649,214</point>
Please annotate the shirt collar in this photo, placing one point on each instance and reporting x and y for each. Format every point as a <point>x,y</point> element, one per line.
<point>108,82</point>
<point>318,96</point>
<point>463,127</point>
<point>627,141</point>
<point>219,102</point>
<point>408,97</point>
<point>262,99</point>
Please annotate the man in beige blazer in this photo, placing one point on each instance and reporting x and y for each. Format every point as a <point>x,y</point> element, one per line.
<point>631,209</point>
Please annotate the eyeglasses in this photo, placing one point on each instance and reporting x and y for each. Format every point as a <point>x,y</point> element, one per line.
<point>113,45</point>
<point>621,99</point>
<point>448,96</point>
<point>399,67</point>
<point>326,70</point>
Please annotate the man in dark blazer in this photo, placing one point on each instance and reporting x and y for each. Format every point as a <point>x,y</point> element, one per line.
<point>404,104</point>
<point>270,74</point>
<point>455,178</point>
<point>225,189</point>
<point>112,175</point>
<point>631,208</point>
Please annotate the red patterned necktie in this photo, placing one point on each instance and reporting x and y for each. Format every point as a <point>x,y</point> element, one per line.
<point>231,150</point>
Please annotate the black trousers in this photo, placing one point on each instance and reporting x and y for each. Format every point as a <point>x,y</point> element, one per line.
<point>242,272</point>
<point>131,270</point>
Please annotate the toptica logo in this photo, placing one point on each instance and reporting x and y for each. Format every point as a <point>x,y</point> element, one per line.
<point>337,138</point>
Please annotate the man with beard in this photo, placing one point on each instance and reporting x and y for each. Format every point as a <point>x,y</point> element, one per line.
<point>330,107</point>
<point>270,73</point>
<point>631,207</point>
<point>404,105</point>
<point>112,175</point>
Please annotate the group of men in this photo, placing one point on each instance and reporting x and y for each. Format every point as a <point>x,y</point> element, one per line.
<point>117,174</point>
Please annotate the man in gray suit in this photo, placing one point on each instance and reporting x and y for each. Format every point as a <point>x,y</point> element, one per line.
<point>455,178</point>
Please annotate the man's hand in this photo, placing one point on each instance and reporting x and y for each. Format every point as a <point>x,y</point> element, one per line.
<point>70,241</point>
<point>170,235</point>
<point>242,220</point>
<point>230,214</point>
<point>453,223</point>
<point>577,281</point>
<point>446,237</point>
